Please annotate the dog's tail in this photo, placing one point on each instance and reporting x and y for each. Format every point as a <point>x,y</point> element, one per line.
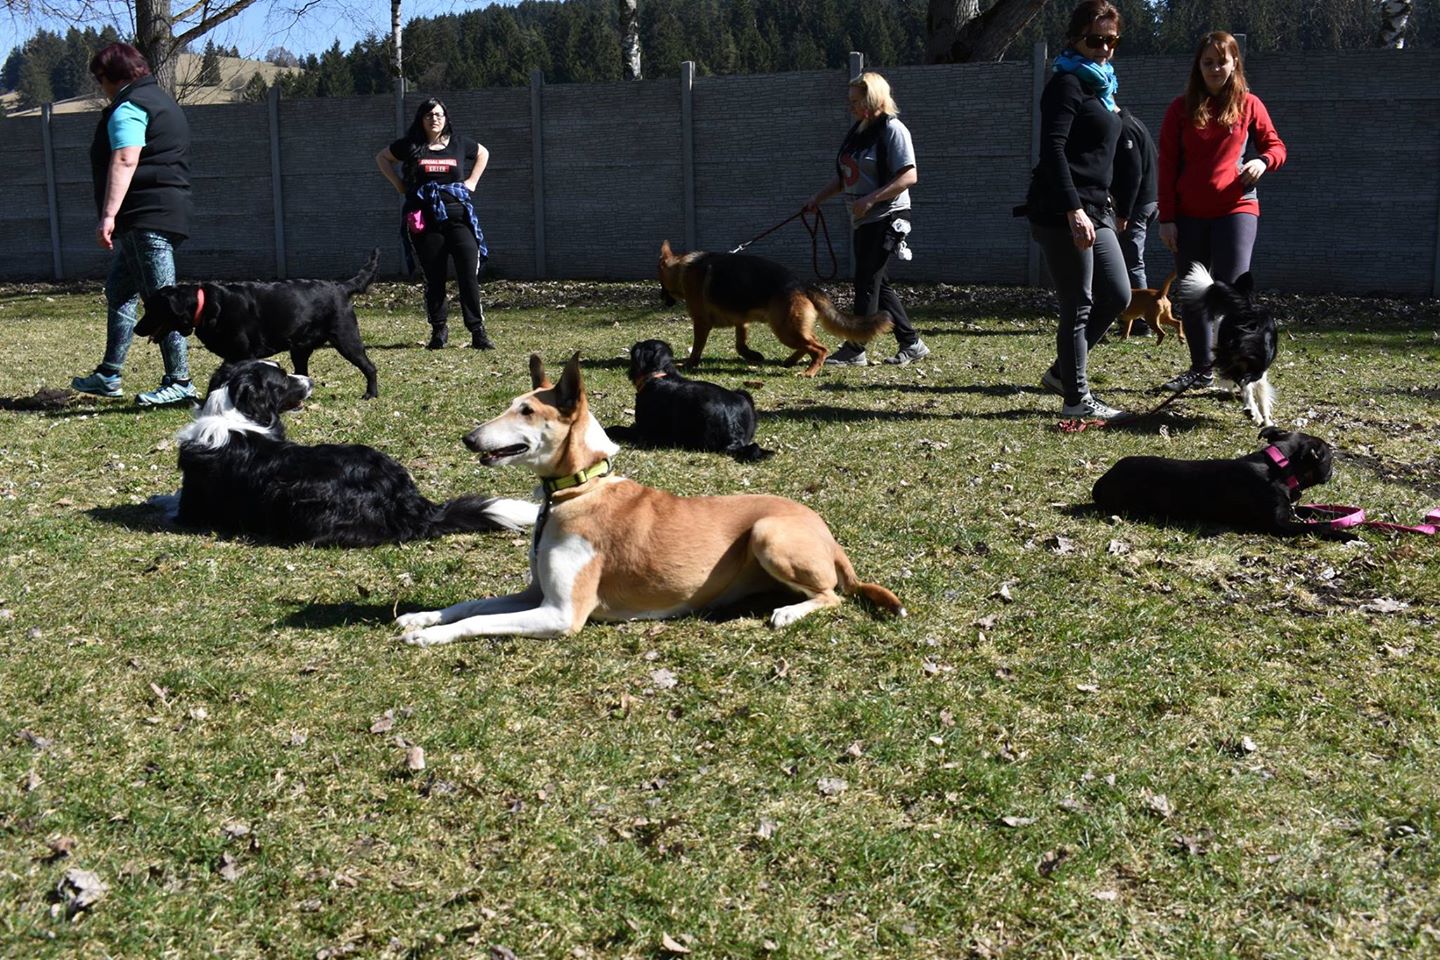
<point>361,281</point>
<point>1194,288</point>
<point>847,325</point>
<point>475,514</point>
<point>1165,287</point>
<point>876,595</point>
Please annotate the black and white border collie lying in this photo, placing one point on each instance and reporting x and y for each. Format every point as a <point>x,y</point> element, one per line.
<point>1246,339</point>
<point>243,478</point>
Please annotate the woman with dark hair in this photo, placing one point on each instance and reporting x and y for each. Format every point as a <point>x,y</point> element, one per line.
<point>440,216</point>
<point>140,167</point>
<point>1069,206</point>
<point>1209,210</point>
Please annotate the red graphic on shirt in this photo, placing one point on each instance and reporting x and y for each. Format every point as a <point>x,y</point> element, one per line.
<point>849,170</point>
<point>431,167</point>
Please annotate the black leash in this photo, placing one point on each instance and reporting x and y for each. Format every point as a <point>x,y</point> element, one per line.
<point>1125,419</point>
<point>813,229</point>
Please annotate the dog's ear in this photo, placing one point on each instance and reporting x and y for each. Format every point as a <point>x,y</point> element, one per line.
<point>538,380</point>
<point>1272,433</point>
<point>665,252</point>
<point>1245,283</point>
<point>570,391</point>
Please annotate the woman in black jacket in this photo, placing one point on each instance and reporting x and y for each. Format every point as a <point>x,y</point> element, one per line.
<point>1071,215</point>
<point>441,170</point>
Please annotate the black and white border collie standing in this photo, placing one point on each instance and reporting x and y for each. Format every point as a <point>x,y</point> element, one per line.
<point>243,478</point>
<point>1246,339</point>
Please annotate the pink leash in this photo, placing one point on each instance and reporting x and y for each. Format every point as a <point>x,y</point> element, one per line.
<point>1341,517</point>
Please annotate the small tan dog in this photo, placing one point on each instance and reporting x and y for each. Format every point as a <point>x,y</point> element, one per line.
<point>1154,306</point>
<point>736,289</point>
<point>607,548</point>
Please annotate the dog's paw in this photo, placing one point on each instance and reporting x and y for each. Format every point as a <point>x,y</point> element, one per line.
<point>420,638</point>
<point>411,622</point>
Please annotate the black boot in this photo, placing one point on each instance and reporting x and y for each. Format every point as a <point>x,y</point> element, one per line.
<point>479,341</point>
<point>439,336</point>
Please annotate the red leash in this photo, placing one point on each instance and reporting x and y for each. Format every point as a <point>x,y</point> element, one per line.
<point>813,229</point>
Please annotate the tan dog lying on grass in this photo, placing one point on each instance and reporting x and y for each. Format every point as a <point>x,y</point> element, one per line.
<point>607,548</point>
<point>1154,306</point>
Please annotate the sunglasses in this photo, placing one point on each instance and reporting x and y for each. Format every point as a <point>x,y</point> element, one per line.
<point>1097,40</point>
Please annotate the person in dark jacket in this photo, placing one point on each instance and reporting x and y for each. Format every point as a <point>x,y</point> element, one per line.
<point>1069,206</point>
<point>1136,198</point>
<point>140,166</point>
<point>441,171</point>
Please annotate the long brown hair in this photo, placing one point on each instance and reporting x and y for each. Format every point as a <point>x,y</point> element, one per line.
<point>1231,100</point>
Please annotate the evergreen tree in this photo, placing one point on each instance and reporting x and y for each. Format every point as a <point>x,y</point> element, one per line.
<point>209,66</point>
<point>332,77</point>
<point>662,39</point>
<point>256,90</point>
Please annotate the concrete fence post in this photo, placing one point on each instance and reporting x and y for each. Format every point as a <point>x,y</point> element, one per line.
<point>1040,63</point>
<point>537,166</point>
<point>52,198</point>
<point>687,150</point>
<point>277,188</point>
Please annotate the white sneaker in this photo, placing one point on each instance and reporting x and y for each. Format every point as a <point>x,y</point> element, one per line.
<point>1091,408</point>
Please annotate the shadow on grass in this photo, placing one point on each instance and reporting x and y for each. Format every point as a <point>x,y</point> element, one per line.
<point>139,517</point>
<point>324,616</point>
<point>1420,477</point>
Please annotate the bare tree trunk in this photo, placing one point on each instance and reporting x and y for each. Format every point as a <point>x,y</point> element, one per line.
<point>395,34</point>
<point>155,39</point>
<point>630,38</point>
<point>942,24</point>
<point>1394,17</point>
<point>958,33</point>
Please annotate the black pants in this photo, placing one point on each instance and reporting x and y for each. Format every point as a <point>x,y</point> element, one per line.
<point>1223,245</point>
<point>451,241</point>
<point>873,292</point>
<point>1092,288</point>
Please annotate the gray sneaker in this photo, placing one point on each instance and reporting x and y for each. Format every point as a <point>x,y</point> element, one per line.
<point>1054,384</point>
<point>167,394</point>
<point>916,351</point>
<point>1090,408</point>
<point>848,355</point>
<point>1190,380</point>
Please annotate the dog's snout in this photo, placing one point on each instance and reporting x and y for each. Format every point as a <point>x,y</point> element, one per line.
<point>304,381</point>
<point>472,440</point>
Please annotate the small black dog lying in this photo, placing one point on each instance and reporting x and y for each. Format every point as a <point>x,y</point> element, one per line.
<point>253,319</point>
<point>672,411</point>
<point>1246,340</point>
<point>1255,492</point>
<point>243,478</point>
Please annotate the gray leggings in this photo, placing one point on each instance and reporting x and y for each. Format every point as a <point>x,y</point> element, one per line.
<point>1223,245</point>
<point>1093,287</point>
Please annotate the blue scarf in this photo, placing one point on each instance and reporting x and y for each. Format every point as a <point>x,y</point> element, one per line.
<point>1098,78</point>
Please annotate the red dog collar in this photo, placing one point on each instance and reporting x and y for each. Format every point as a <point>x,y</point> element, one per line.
<point>1282,463</point>
<point>199,305</point>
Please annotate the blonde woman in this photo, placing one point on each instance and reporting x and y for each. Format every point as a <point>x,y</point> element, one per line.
<point>875,169</point>
<point>1216,142</point>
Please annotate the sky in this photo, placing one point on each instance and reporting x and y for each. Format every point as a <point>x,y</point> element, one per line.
<point>266,24</point>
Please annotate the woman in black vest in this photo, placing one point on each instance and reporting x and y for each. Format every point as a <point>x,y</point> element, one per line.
<point>440,216</point>
<point>140,167</point>
<point>1071,215</point>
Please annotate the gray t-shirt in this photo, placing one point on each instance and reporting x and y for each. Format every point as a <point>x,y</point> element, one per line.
<point>859,171</point>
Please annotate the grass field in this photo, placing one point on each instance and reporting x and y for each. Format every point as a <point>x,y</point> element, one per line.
<point>1091,738</point>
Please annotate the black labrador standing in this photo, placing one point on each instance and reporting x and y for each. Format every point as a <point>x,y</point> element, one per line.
<point>672,411</point>
<point>1254,492</point>
<point>252,319</point>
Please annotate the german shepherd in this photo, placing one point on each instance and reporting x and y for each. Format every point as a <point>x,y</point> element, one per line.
<point>735,289</point>
<point>606,548</point>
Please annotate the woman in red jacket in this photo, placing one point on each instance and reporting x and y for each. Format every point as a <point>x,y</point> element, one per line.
<point>1216,142</point>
